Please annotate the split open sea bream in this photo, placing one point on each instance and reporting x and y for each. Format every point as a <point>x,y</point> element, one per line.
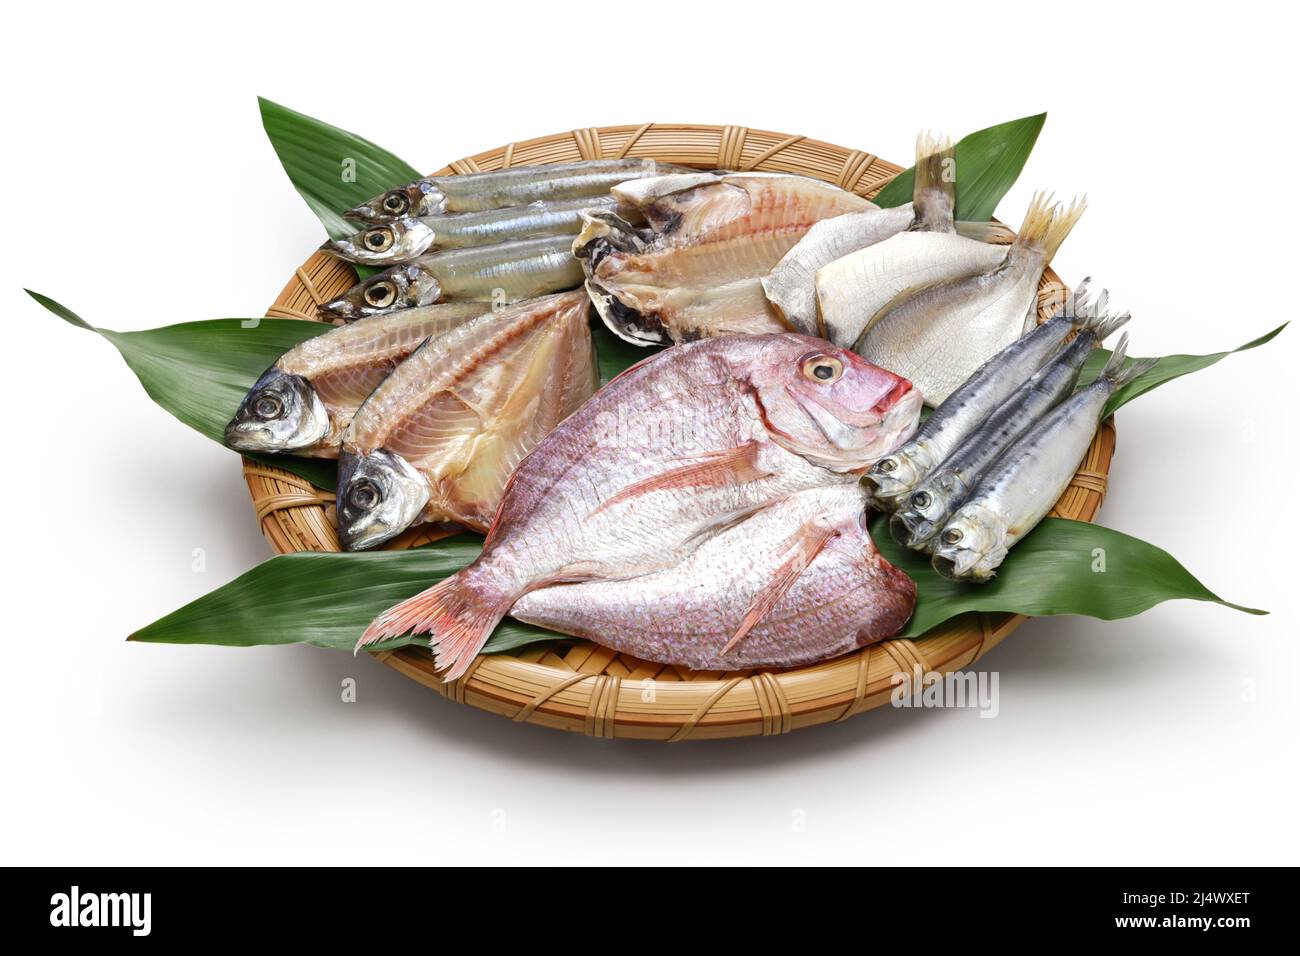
<point>680,447</point>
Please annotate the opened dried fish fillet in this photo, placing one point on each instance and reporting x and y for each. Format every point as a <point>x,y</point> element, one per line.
<point>438,439</point>
<point>697,270</point>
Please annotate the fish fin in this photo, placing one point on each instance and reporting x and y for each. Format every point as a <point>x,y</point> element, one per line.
<point>458,613</point>
<point>805,546</point>
<point>1116,372</point>
<point>993,232</point>
<point>1046,224</point>
<point>934,193</point>
<point>733,466</point>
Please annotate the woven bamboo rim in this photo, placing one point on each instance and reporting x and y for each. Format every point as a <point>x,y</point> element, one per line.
<point>582,687</point>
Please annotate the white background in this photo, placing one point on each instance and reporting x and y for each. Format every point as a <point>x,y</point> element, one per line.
<point>138,189</point>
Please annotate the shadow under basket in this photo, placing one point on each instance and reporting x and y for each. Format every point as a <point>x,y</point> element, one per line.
<point>582,687</point>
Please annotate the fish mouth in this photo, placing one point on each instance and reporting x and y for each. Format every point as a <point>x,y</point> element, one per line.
<point>910,529</point>
<point>361,213</point>
<point>944,566</point>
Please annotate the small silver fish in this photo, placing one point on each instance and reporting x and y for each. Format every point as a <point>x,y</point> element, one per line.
<point>1023,485</point>
<point>899,472</point>
<point>388,244</point>
<point>516,186</point>
<point>501,273</point>
<point>302,404</point>
<point>938,335</point>
<point>934,499</point>
<point>811,586</point>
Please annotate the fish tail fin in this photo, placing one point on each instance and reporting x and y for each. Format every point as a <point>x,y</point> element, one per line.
<point>459,613</point>
<point>1119,370</point>
<point>1047,224</point>
<point>1089,316</point>
<point>992,232</point>
<point>934,191</point>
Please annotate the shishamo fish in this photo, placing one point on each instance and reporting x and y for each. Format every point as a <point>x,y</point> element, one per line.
<point>473,192</point>
<point>792,285</point>
<point>1023,485</point>
<point>938,335</point>
<point>306,399</point>
<point>898,473</point>
<point>681,446</point>
<point>697,270</point>
<point>438,438</point>
<point>934,499</point>
<point>387,244</point>
<point>811,586</point>
<point>505,272</point>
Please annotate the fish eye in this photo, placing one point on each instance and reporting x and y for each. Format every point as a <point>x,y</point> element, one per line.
<point>886,465</point>
<point>823,368</point>
<point>921,499</point>
<point>952,536</point>
<point>268,407</point>
<point>378,240</point>
<point>363,495</point>
<point>380,294</point>
<point>395,203</point>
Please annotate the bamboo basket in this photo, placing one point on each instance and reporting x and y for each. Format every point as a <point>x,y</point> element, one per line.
<point>585,688</point>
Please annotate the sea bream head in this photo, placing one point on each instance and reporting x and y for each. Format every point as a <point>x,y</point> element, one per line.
<point>829,405</point>
<point>420,198</point>
<point>971,545</point>
<point>379,495</point>
<point>384,244</point>
<point>402,287</point>
<point>280,413</point>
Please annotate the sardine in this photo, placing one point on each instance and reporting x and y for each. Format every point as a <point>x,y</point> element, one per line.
<point>517,186</point>
<point>937,336</point>
<point>505,272</point>
<point>935,498</point>
<point>897,474</point>
<point>437,440</point>
<point>1023,485</point>
<point>697,270</point>
<point>682,445</point>
<point>303,403</point>
<point>792,285</point>
<point>811,586</point>
<point>387,244</point>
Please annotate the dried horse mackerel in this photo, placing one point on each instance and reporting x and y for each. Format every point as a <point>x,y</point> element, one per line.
<point>440,437</point>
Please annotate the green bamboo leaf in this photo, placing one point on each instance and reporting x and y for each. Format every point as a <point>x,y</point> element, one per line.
<point>988,162</point>
<point>1061,567</point>
<point>200,371</point>
<point>1166,369</point>
<point>325,599</point>
<point>332,169</point>
<point>328,599</point>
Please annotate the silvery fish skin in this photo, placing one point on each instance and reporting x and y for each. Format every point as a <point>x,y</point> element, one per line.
<point>682,445</point>
<point>697,270</point>
<point>516,186</point>
<point>303,403</point>
<point>439,437</point>
<point>935,498</point>
<point>811,586</point>
<point>939,335</point>
<point>791,286</point>
<point>897,474</point>
<point>387,244</point>
<point>1023,485</point>
<point>505,272</point>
